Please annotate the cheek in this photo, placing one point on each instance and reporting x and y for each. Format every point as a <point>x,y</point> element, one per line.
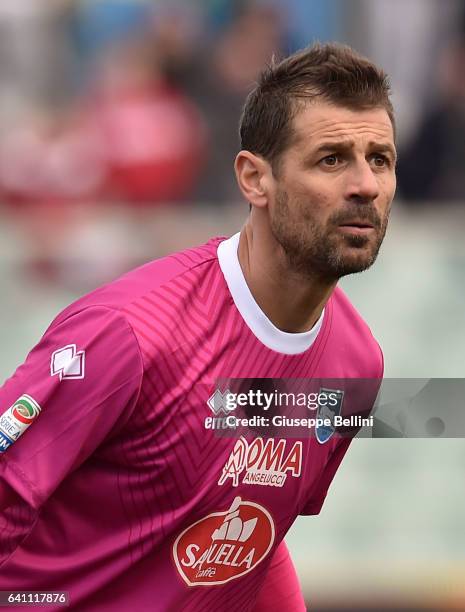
<point>388,189</point>
<point>311,200</point>
<point>320,204</point>
<point>317,195</point>
<point>388,186</point>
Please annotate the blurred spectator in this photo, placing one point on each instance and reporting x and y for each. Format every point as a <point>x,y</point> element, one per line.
<point>405,37</point>
<point>95,25</point>
<point>220,81</point>
<point>51,157</point>
<point>131,136</point>
<point>135,138</point>
<point>316,20</point>
<point>431,165</point>
<point>153,135</point>
<point>34,55</point>
<point>49,161</point>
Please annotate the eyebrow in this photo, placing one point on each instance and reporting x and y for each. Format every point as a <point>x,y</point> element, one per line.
<point>345,145</point>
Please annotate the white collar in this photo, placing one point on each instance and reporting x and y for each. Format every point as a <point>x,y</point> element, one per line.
<point>254,317</point>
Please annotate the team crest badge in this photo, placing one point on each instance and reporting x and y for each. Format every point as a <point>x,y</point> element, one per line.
<point>324,432</point>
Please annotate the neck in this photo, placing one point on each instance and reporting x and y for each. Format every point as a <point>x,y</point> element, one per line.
<point>291,301</point>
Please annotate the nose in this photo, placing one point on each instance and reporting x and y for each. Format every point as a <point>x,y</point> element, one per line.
<point>362,183</point>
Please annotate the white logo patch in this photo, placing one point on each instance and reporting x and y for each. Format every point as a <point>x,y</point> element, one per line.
<point>68,363</point>
<point>220,403</point>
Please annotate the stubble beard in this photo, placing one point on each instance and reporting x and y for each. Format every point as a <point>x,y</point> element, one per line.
<point>313,251</point>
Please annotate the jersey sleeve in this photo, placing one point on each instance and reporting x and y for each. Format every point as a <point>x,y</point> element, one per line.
<point>280,592</point>
<point>78,386</point>
<point>319,493</point>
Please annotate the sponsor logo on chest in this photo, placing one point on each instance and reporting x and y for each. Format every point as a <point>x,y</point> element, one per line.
<point>224,545</point>
<point>262,462</point>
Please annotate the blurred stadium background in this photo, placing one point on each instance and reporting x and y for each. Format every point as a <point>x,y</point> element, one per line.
<point>118,133</point>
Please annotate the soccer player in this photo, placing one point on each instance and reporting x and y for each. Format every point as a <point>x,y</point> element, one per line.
<point>112,487</point>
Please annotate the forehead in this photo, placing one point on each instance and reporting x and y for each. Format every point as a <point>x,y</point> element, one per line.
<point>318,122</point>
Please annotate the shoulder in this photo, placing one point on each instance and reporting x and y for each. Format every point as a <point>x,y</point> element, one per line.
<point>353,336</point>
<point>345,313</point>
<point>145,280</point>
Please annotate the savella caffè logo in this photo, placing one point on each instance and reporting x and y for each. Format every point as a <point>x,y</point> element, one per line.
<point>224,545</point>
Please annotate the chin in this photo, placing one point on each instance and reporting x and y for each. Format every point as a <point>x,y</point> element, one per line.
<point>356,263</point>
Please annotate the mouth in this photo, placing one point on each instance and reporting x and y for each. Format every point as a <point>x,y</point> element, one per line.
<point>356,227</point>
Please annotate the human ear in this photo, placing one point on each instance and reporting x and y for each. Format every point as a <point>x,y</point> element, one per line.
<point>252,174</point>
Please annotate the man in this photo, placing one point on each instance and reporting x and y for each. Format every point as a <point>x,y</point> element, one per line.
<point>117,492</point>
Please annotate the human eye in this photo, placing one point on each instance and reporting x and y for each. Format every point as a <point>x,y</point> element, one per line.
<point>330,160</point>
<point>380,160</point>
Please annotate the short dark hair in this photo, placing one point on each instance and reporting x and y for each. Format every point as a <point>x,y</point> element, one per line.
<point>333,72</point>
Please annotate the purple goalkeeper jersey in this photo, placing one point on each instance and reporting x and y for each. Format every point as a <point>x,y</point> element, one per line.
<point>125,499</point>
